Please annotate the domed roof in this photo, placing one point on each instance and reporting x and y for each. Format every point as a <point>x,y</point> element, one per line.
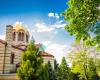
<point>19,26</point>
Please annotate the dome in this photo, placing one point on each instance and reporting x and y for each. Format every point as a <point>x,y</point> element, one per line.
<point>19,26</point>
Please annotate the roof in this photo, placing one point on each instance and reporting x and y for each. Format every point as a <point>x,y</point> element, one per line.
<point>14,46</point>
<point>43,53</point>
<point>2,41</point>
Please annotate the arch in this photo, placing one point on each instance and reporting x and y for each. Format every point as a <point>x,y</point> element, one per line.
<point>14,36</point>
<point>27,38</point>
<point>19,36</point>
<point>22,36</point>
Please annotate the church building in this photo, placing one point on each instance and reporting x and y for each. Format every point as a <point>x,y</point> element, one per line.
<point>16,41</point>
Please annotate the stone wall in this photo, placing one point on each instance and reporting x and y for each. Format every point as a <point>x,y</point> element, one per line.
<point>51,59</point>
<point>2,48</point>
<point>8,77</point>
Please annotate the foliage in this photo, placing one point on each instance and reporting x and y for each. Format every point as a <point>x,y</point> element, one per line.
<point>56,68</point>
<point>51,72</point>
<point>84,21</point>
<point>83,64</point>
<point>64,72</point>
<point>44,74</point>
<point>31,65</point>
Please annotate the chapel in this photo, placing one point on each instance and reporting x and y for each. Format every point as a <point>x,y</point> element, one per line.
<point>16,41</point>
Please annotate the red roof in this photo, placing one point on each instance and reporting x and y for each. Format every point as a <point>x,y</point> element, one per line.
<point>45,54</point>
<point>2,41</point>
<point>18,47</point>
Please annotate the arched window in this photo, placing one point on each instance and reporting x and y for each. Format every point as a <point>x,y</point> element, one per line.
<point>14,36</point>
<point>19,36</point>
<point>22,36</point>
<point>12,58</point>
<point>27,38</point>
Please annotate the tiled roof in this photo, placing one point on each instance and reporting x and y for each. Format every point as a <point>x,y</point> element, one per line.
<point>14,46</point>
<point>45,54</point>
<point>2,41</point>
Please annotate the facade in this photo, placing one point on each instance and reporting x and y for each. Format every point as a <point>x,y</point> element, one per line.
<point>17,38</point>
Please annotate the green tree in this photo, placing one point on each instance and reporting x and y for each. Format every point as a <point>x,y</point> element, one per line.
<point>45,74</point>
<point>56,66</point>
<point>31,64</point>
<point>84,65</point>
<point>51,72</point>
<point>92,70</point>
<point>84,21</point>
<point>64,72</point>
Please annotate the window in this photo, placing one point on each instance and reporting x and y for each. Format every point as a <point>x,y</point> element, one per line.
<point>12,58</point>
<point>22,37</point>
<point>26,38</point>
<point>19,36</point>
<point>14,36</point>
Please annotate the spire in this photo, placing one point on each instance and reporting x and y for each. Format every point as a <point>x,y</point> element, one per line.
<point>32,39</point>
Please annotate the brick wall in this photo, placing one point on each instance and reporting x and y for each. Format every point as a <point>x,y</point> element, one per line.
<point>2,48</point>
<point>8,77</point>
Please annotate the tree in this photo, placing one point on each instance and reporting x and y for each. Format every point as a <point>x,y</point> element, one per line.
<point>51,72</point>
<point>31,64</point>
<point>45,74</point>
<point>92,70</point>
<point>84,64</point>
<point>56,68</point>
<point>56,65</point>
<point>64,71</point>
<point>84,21</point>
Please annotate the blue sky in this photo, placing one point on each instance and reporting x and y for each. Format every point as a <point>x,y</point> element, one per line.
<point>43,20</point>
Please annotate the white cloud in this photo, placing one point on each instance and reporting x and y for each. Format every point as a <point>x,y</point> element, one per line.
<point>2,37</point>
<point>59,25</point>
<point>51,14</point>
<point>46,43</point>
<point>57,16</point>
<point>42,27</point>
<point>58,50</point>
<point>54,15</point>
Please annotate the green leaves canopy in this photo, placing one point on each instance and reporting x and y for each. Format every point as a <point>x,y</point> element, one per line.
<point>84,21</point>
<point>31,65</point>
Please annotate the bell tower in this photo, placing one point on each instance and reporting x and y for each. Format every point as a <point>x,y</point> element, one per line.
<point>9,29</point>
<point>20,34</point>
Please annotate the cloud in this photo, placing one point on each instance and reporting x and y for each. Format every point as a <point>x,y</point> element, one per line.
<point>59,25</point>
<point>51,14</point>
<point>57,16</point>
<point>54,15</point>
<point>2,37</point>
<point>46,43</point>
<point>58,50</point>
<point>42,27</point>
